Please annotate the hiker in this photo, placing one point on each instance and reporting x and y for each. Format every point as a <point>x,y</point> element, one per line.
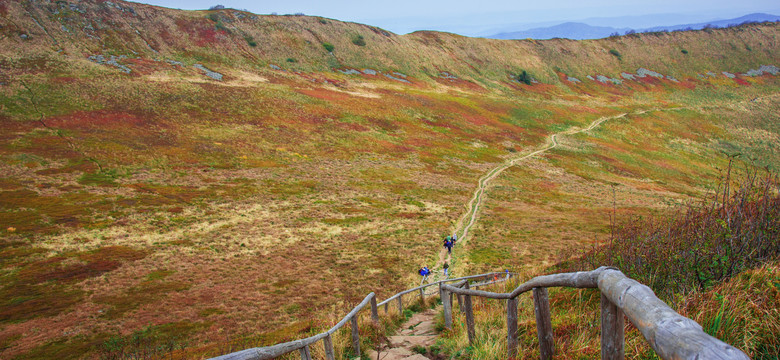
<point>425,272</point>
<point>507,273</point>
<point>454,239</point>
<point>448,244</point>
<point>446,269</point>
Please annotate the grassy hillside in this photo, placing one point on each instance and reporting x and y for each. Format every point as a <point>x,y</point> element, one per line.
<point>168,176</point>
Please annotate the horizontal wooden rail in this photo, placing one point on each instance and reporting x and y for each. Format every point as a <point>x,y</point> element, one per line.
<point>437,283</point>
<point>582,279</point>
<point>670,334</point>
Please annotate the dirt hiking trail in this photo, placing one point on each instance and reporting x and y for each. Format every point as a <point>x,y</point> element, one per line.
<point>418,331</point>
<point>472,207</point>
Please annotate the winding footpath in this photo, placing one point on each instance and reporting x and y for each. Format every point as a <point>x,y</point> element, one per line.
<point>473,206</point>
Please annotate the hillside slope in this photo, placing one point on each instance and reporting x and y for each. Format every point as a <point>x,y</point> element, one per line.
<point>169,175</point>
<point>235,38</point>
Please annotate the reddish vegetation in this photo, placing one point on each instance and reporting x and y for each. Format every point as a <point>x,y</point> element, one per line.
<point>96,120</point>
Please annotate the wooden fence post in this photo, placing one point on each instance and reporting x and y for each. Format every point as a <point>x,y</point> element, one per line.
<point>305,353</point>
<point>543,323</point>
<point>400,306</point>
<point>355,336</point>
<point>447,303</point>
<point>511,328</point>
<point>460,304</point>
<point>612,331</point>
<point>374,311</point>
<point>386,306</point>
<point>328,343</point>
<point>422,296</point>
<point>469,316</point>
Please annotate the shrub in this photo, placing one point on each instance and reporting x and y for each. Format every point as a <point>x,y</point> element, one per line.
<point>221,26</point>
<point>615,53</point>
<point>524,77</point>
<point>684,51</point>
<point>217,7</point>
<point>698,245</point>
<point>358,40</point>
<point>292,60</point>
<point>250,40</point>
<point>328,46</point>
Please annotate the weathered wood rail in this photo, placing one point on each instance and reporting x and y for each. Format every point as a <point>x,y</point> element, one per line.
<point>671,335</point>
<point>303,345</point>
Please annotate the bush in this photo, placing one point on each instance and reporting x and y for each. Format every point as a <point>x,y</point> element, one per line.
<point>524,78</point>
<point>615,53</point>
<point>328,46</point>
<point>684,51</point>
<point>250,40</point>
<point>292,60</point>
<point>698,245</point>
<point>358,40</point>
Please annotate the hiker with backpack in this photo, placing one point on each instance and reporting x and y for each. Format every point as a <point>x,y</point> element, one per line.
<point>448,244</point>
<point>454,238</point>
<point>446,269</point>
<point>424,271</point>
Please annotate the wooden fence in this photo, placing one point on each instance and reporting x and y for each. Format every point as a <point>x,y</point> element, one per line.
<point>671,335</point>
<point>270,352</point>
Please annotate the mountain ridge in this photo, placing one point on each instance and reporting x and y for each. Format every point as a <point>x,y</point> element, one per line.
<point>584,31</point>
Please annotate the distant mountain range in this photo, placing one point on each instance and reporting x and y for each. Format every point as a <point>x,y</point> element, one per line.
<point>580,31</point>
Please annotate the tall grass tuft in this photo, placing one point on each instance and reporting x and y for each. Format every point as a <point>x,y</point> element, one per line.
<point>734,228</point>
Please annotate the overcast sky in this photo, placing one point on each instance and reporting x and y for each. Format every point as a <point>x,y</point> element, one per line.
<point>474,17</point>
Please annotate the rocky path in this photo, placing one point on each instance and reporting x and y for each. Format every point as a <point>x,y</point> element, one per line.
<point>418,331</point>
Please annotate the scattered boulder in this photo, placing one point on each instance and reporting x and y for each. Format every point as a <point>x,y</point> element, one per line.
<point>391,77</point>
<point>771,69</point>
<point>275,67</point>
<point>603,79</point>
<point>572,79</point>
<point>112,60</point>
<point>728,75</point>
<point>627,76</point>
<point>447,75</point>
<point>212,74</point>
<point>369,72</point>
<point>349,71</point>
<point>642,72</point>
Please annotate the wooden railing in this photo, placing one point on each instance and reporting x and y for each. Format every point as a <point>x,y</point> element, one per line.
<point>302,345</point>
<point>671,335</point>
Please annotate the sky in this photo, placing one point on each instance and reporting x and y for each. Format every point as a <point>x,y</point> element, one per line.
<point>484,17</point>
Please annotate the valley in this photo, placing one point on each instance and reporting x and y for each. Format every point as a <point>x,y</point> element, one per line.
<point>168,176</point>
